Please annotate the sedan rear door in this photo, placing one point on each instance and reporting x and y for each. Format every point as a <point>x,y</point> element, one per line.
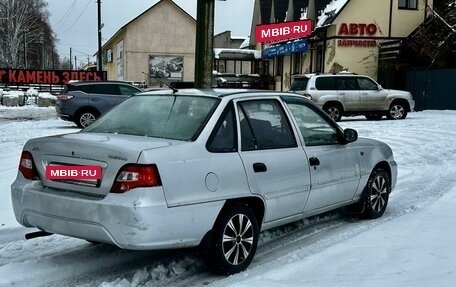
<point>276,166</point>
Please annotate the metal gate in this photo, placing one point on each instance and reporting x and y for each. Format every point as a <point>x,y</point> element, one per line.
<point>432,89</point>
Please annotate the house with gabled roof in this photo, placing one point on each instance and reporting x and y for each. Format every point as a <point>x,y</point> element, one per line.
<point>156,46</point>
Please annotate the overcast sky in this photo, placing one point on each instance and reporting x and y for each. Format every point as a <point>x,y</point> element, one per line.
<point>75,21</point>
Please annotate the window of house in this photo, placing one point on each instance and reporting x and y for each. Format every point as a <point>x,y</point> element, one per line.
<point>319,61</point>
<point>279,65</point>
<point>297,63</point>
<point>408,4</point>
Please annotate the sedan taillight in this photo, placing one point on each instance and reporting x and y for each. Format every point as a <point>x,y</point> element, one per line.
<point>27,167</point>
<point>136,175</point>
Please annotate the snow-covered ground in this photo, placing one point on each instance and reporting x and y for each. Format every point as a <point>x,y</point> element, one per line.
<point>411,245</point>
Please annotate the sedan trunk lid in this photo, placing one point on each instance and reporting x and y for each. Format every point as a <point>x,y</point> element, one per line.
<point>110,151</point>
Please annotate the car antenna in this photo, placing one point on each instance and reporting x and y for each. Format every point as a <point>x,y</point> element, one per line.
<point>162,82</point>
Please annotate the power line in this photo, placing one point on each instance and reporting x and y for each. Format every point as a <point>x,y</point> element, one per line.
<point>66,15</point>
<point>82,53</point>
<point>85,8</point>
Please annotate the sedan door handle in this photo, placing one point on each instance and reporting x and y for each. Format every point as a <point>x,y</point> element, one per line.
<point>259,167</point>
<point>94,99</point>
<point>313,161</point>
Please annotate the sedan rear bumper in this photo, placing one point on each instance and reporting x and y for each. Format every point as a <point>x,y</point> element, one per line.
<point>138,219</point>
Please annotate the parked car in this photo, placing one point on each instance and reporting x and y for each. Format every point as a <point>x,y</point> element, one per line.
<point>202,168</point>
<point>83,102</point>
<point>347,94</point>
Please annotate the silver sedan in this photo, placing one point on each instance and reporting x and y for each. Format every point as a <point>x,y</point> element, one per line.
<point>200,168</point>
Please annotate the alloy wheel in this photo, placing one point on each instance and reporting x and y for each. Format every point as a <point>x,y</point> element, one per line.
<point>379,194</point>
<point>397,112</point>
<point>334,113</point>
<point>86,119</point>
<point>237,239</point>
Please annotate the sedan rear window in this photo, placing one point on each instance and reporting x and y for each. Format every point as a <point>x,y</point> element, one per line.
<point>168,116</point>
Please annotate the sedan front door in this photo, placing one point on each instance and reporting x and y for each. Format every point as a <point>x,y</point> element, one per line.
<point>334,166</point>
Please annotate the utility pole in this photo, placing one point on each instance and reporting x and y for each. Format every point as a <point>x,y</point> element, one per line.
<point>25,50</point>
<point>75,63</point>
<point>71,58</point>
<point>204,43</point>
<point>99,54</point>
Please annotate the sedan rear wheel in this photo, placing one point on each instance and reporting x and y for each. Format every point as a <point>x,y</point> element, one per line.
<point>376,194</point>
<point>235,240</point>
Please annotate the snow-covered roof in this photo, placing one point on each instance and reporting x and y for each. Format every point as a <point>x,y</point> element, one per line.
<point>247,53</point>
<point>246,43</point>
<point>330,11</point>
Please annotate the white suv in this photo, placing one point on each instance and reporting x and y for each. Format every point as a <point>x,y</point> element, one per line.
<point>346,94</point>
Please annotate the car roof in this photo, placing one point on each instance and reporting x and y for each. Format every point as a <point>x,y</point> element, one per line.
<point>216,92</point>
<point>343,74</point>
<point>78,83</point>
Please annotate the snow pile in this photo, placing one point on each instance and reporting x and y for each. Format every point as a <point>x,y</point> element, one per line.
<point>13,98</point>
<point>46,99</point>
<point>31,92</point>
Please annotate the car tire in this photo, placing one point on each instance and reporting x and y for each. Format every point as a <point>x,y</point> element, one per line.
<point>85,118</point>
<point>234,242</point>
<point>376,194</point>
<point>334,111</point>
<point>397,111</point>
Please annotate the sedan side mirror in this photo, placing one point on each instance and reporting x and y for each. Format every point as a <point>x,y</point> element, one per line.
<point>350,135</point>
<point>379,87</point>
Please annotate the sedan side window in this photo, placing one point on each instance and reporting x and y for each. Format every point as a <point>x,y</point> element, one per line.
<point>264,125</point>
<point>223,138</point>
<point>314,128</point>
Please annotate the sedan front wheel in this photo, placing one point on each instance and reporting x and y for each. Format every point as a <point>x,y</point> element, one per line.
<point>235,240</point>
<point>376,194</point>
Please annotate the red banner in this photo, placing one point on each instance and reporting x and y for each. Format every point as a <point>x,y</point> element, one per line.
<point>51,77</point>
<point>283,31</point>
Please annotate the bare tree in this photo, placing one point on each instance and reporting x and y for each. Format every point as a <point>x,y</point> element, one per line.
<point>27,37</point>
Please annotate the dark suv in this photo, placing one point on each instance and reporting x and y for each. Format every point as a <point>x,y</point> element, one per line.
<point>83,102</point>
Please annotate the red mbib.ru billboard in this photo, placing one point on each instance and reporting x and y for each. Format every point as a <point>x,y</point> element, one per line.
<point>283,31</point>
